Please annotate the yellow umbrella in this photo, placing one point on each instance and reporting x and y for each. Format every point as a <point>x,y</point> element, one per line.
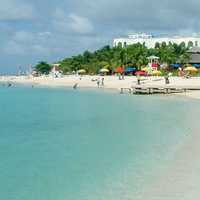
<point>156,73</point>
<point>147,69</point>
<point>191,69</point>
<point>81,71</point>
<point>104,70</point>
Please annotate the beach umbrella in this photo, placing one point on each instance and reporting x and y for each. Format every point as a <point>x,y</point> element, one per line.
<point>130,69</point>
<point>141,73</point>
<point>119,70</point>
<point>81,71</point>
<point>156,73</point>
<point>175,66</point>
<point>196,65</point>
<point>191,69</point>
<point>103,70</point>
<point>147,69</point>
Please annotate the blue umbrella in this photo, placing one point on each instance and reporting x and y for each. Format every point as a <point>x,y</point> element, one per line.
<point>196,65</point>
<point>130,70</point>
<point>175,66</point>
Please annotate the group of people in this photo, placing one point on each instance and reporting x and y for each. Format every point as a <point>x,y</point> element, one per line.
<point>166,79</point>
<point>100,82</point>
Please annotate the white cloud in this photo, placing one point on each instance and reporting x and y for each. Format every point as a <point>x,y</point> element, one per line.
<point>29,43</point>
<point>72,23</point>
<point>16,10</point>
<point>80,24</point>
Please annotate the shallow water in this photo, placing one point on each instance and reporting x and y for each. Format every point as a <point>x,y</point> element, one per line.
<point>60,144</point>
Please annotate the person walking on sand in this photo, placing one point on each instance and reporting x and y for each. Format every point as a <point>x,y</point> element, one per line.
<point>98,83</point>
<point>102,81</point>
<point>123,74</point>
<point>167,79</point>
<point>138,79</point>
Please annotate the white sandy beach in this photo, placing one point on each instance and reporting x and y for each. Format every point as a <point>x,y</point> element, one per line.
<point>110,82</point>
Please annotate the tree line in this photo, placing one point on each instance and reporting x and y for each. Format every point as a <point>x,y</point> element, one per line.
<point>112,57</point>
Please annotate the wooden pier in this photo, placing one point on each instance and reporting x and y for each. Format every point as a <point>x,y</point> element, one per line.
<point>157,89</point>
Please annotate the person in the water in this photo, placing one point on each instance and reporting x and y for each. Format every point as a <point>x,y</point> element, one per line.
<point>75,86</point>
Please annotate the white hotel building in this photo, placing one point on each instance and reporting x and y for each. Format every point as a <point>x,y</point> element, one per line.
<point>150,41</point>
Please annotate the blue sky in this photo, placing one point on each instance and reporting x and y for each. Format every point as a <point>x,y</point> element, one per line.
<point>34,30</point>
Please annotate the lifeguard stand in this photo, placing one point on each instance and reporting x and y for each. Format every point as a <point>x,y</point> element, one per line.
<point>153,62</point>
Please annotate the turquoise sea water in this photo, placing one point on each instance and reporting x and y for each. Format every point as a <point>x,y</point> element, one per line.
<point>58,144</point>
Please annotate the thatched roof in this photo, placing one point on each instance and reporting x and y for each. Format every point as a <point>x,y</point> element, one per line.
<point>195,58</point>
<point>195,50</point>
<point>195,55</point>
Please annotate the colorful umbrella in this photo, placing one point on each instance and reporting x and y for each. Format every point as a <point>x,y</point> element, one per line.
<point>147,69</point>
<point>119,70</point>
<point>141,73</point>
<point>191,69</point>
<point>130,70</point>
<point>156,73</point>
<point>81,71</point>
<point>103,70</point>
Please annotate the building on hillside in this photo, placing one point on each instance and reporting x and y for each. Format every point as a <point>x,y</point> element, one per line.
<point>150,41</point>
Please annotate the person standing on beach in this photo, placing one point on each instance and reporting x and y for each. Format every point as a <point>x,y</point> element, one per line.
<point>167,79</point>
<point>102,81</point>
<point>123,73</point>
<point>138,79</point>
<point>98,82</point>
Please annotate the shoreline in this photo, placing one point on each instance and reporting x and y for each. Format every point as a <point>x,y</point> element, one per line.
<point>110,82</point>
<point>179,180</point>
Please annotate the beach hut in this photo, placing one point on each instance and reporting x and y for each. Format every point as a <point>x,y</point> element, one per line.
<point>194,54</point>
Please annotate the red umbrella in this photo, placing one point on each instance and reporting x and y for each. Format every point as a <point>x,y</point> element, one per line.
<point>141,73</point>
<point>120,70</point>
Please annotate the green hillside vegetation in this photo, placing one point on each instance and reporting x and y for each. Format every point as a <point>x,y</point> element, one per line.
<point>112,57</point>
